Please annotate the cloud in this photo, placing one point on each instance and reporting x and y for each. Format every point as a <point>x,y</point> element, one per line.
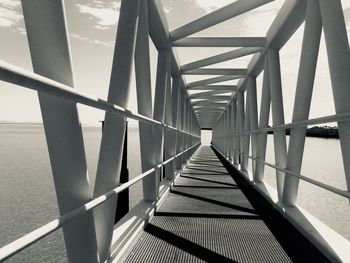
<point>93,41</point>
<point>10,16</point>
<point>105,14</point>
<point>210,5</point>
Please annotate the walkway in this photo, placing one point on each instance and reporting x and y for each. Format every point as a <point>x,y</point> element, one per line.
<point>207,217</point>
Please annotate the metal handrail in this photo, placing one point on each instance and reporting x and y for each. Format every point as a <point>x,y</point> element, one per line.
<point>19,244</point>
<point>321,120</point>
<point>327,187</point>
<point>21,77</point>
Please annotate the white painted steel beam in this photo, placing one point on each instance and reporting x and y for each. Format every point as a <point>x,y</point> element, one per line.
<point>215,71</point>
<point>253,117</point>
<point>144,104</point>
<point>279,137</point>
<point>207,93</point>
<point>212,81</point>
<point>302,101</point>
<point>208,103</point>
<point>237,8</point>
<point>263,123</point>
<point>223,88</point>
<point>246,134</point>
<point>220,42</point>
<point>50,54</point>
<point>338,53</point>
<point>168,134</point>
<point>237,53</point>
<point>163,77</point>
<point>213,97</point>
<point>240,124</point>
<point>112,143</point>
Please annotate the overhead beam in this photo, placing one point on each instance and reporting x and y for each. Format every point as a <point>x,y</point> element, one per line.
<point>237,8</point>
<point>213,80</point>
<point>208,103</point>
<point>213,97</point>
<point>223,88</point>
<point>216,71</point>
<point>221,107</point>
<point>207,93</point>
<point>237,53</point>
<point>289,18</point>
<point>221,42</point>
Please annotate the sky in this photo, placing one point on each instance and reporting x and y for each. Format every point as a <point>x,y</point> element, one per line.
<point>92,30</point>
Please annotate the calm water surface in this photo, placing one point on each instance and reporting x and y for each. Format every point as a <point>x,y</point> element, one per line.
<point>28,199</point>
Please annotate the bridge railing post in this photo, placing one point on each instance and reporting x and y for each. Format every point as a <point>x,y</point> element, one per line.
<point>50,54</point>
<point>263,123</point>
<point>168,134</point>
<point>111,150</point>
<point>253,117</point>
<point>144,105</point>
<point>279,136</point>
<point>246,135</point>
<point>302,101</point>
<point>240,126</point>
<point>337,45</point>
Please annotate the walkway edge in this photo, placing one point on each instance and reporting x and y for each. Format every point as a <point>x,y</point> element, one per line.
<point>128,230</point>
<point>330,243</point>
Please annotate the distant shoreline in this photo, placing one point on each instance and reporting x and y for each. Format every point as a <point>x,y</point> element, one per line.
<point>319,132</point>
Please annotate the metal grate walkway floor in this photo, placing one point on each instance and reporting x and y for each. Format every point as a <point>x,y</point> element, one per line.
<point>213,215</point>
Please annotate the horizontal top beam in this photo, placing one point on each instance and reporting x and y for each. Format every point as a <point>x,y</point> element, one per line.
<point>221,58</point>
<point>208,103</point>
<point>220,42</point>
<point>211,97</point>
<point>221,107</point>
<point>226,88</point>
<point>207,93</point>
<point>216,71</point>
<point>213,80</point>
<point>218,16</point>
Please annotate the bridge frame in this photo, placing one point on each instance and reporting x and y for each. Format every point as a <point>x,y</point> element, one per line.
<point>172,125</point>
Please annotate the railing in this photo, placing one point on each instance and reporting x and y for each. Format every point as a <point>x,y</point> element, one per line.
<point>34,236</point>
<point>238,127</point>
<point>172,126</point>
<point>169,128</point>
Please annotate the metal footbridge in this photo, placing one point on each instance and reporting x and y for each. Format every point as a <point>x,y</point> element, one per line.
<point>200,203</point>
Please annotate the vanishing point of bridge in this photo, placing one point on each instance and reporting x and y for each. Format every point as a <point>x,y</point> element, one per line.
<point>200,203</point>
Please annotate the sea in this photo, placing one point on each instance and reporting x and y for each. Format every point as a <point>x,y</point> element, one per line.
<point>28,198</point>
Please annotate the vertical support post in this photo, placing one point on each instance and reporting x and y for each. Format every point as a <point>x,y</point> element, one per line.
<point>263,123</point>
<point>235,132</point>
<point>277,116</point>
<point>168,138</point>
<point>176,98</point>
<point>49,49</point>
<point>179,140</point>
<point>338,52</point>
<point>253,117</point>
<point>302,102</point>
<point>230,130</point>
<point>246,136</point>
<point>110,158</point>
<point>144,104</point>
<point>163,69</point>
<point>123,197</point>
<point>240,126</point>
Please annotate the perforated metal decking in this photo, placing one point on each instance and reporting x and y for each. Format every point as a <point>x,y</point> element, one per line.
<point>208,218</point>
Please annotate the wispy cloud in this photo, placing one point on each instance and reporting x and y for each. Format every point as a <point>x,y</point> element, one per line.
<point>93,41</point>
<point>105,14</point>
<point>10,16</point>
<point>210,5</point>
